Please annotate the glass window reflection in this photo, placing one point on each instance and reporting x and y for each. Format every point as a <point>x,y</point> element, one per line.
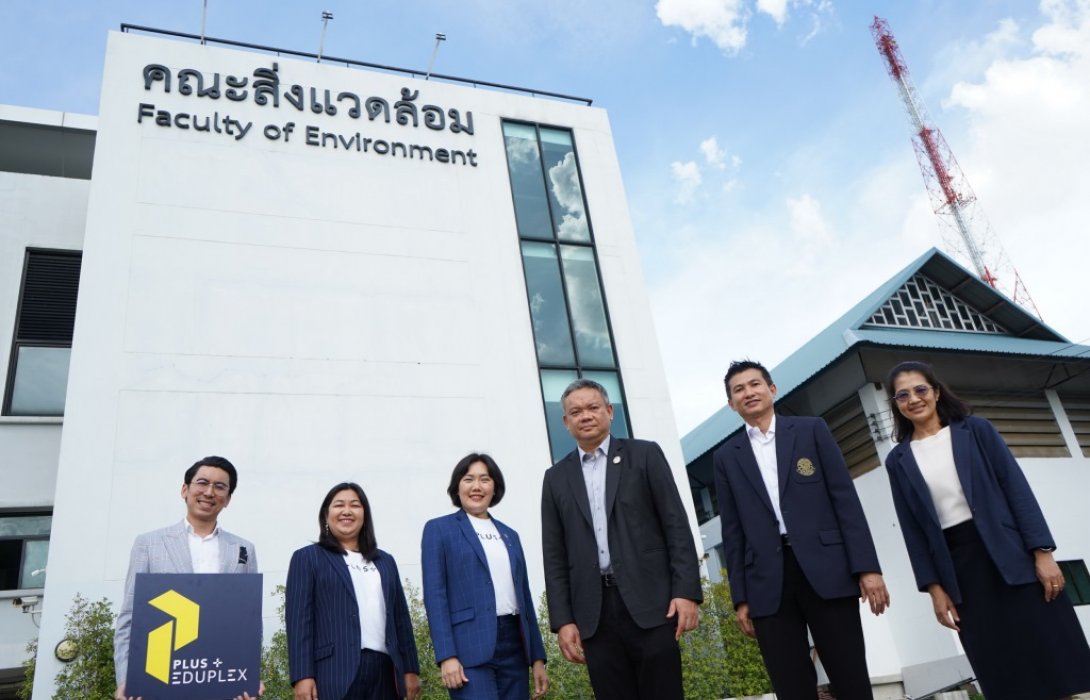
<point>35,553</point>
<point>548,311</point>
<point>41,380</point>
<point>527,183</point>
<point>565,189</point>
<point>553,384</point>
<point>588,313</point>
<point>612,384</point>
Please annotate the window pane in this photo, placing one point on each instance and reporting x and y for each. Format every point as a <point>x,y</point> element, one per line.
<point>25,526</point>
<point>565,191</point>
<point>35,553</point>
<point>549,314</point>
<point>41,378</point>
<point>616,399</point>
<point>11,554</point>
<point>1078,581</point>
<point>588,313</point>
<point>527,183</point>
<point>553,384</point>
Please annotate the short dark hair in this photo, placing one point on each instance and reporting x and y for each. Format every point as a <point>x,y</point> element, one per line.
<point>583,383</point>
<point>366,539</point>
<point>462,468</point>
<point>218,463</point>
<point>948,405</point>
<point>739,366</point>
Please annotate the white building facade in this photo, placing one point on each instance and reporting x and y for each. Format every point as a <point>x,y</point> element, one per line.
<point>323,274</point>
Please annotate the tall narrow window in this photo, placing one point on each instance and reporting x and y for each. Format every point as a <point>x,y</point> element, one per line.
<point>572,335</point>
<point>38,368</point>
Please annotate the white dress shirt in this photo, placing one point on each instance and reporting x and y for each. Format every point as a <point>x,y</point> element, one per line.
<point>204,551</point>
<point>594,475</point>
<point>764,449</point>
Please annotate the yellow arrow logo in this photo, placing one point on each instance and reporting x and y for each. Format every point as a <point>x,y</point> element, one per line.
<point>173,635</point>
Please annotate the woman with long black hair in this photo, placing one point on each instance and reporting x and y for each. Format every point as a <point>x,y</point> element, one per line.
<point>979,544</point>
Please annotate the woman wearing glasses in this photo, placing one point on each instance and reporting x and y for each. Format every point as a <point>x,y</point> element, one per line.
<point>979,544</point>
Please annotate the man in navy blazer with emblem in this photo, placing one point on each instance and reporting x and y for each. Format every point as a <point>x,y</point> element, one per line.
<point>798,548</point>
<point>621,569</point>
<point>194,545</point>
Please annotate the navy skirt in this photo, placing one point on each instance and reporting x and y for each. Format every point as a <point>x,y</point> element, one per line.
<point>1020,647</point>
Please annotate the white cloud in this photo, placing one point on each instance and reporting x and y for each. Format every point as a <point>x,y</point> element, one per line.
<point>714,156</point>
<point>776,9</point>
<point>688,177</point>
<point>722,21</point>
<point>807,223</point>
<point>1026,156</point>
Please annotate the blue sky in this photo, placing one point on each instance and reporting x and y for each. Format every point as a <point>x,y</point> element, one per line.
<point>765,152</point>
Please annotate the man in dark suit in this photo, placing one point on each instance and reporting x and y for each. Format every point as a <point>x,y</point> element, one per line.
<point>621,569</point>
<point>798,549</point>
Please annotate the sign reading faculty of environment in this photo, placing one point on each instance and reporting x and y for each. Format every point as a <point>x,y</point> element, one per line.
<point>195,636</point>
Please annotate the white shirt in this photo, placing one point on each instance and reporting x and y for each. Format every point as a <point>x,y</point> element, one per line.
<point>499,564</point>
<point>594,476</point>
<point>368,584</point>
<point>935,456</point>
<point>764,449</point>
<point>203,551</point>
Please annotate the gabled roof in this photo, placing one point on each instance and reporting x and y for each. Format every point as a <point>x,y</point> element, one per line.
<point>1017,332</point>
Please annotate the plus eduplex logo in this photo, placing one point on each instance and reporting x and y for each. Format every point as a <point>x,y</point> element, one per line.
<point>173,635</point>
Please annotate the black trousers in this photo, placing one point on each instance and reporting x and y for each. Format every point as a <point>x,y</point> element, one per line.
<point>838,637</point>
<point>627,662</point>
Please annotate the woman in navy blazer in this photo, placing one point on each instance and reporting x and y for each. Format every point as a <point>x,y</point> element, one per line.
<point>476,593</point>
<point>348,626</point>
<point>979,544</point>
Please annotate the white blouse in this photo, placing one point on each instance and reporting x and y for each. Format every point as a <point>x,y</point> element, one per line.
<point>935,456</point>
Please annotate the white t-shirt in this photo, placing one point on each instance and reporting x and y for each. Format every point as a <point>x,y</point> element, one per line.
<point>368,584</point>
<point>499,565</point>
<point>935,455</point>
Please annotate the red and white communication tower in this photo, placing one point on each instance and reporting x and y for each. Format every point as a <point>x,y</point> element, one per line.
<point>951,196</point>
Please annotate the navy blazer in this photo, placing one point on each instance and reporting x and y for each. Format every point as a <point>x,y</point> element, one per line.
<point>323,621</point>
<point>824,519</point>
<point>460,598</point>
<point>1004,509</point>
<point>651,547</point>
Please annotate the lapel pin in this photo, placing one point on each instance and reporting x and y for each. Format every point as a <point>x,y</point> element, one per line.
<point>617,459</point>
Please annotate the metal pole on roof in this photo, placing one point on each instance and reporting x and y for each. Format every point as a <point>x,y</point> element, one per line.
<point>326,16</point>
<point>439,38</point>
<point>204,18</point>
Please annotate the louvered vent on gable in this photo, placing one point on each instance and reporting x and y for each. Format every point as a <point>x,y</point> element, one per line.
<point>921,303</point>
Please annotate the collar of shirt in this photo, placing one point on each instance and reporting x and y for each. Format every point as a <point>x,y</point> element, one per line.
<point>190,531</point>
<point>602,450</point>
<point>755,433</point>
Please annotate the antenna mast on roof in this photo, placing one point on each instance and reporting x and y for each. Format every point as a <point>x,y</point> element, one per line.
<point>951,196</point>
<point>326,16</point>
<point>439,38</point>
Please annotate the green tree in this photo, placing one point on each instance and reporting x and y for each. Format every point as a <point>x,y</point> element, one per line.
<point>274,658</point>
<point>566,680</point>
<point>90,676</point>
<point>741,670</point>
<point>27,688</point>
<point>431,684</point>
